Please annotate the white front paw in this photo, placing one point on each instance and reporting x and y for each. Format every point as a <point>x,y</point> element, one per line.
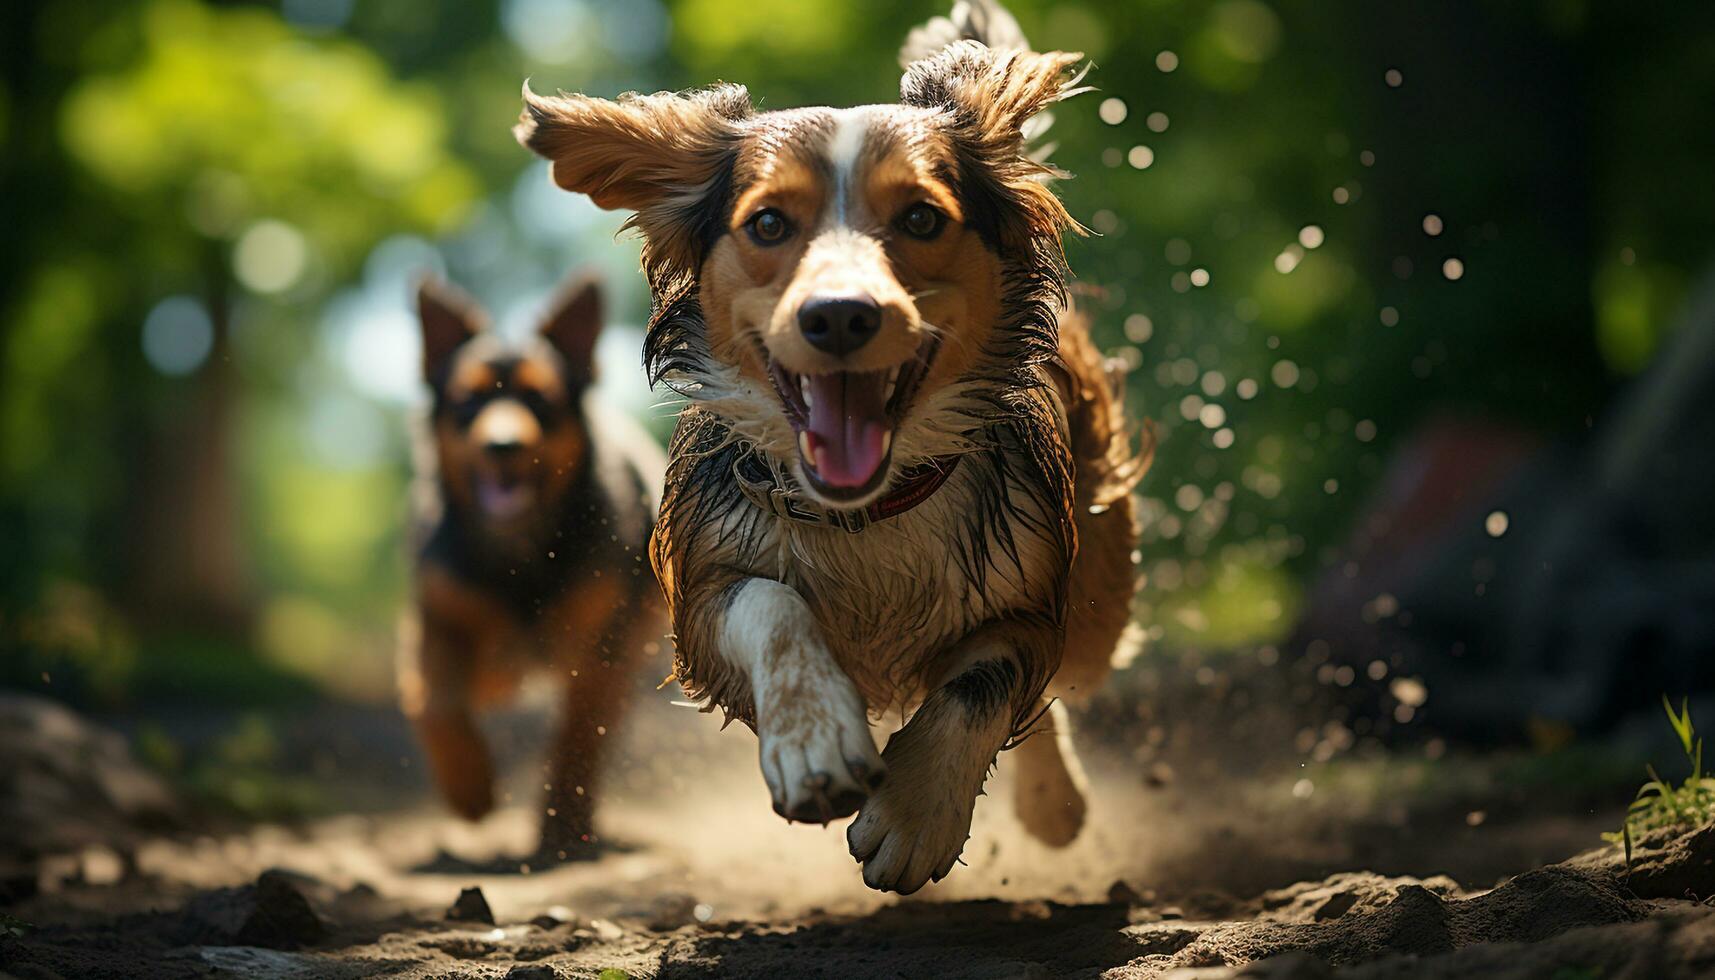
<point>909,835</point>
<point>818,758</point>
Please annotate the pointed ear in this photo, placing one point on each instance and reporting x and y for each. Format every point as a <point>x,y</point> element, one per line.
<point>666,156</point>
<point>572,325</point>
<point>449,317</point>
<point>989,97</point>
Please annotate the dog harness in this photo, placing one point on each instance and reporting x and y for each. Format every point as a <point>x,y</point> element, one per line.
<point>762,488</point>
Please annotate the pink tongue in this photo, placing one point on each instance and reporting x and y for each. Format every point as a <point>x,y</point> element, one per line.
<point>848,423</point>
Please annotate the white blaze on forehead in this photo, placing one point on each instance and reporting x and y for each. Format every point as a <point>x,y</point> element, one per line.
<point>845,146</point>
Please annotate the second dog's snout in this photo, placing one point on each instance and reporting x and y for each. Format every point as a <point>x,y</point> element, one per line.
<point>839,324</point>
<point>504,428</point>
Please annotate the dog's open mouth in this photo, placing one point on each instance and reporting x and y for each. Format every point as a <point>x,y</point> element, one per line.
<point>845,421</point>
<point>503,496</point>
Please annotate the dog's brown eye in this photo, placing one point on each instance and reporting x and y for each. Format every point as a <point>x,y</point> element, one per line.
<point>921,221</point>
<point>768,227</point>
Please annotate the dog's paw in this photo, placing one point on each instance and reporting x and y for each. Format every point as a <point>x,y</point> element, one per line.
<point>460,763</point>
<point>818,758</point>
<point>1053,815</point>
<point>471,799</point>
<point>907,836</point>
<point>1047,789</point>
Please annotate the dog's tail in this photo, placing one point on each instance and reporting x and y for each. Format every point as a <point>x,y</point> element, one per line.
<point>989,24</point>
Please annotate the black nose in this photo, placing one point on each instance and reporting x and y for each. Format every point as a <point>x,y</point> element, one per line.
<point>839,324</point>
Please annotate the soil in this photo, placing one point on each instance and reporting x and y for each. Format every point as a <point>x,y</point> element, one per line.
<point>1191,867</point>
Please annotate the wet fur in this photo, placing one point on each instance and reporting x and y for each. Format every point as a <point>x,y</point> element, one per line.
<point>960,614</point>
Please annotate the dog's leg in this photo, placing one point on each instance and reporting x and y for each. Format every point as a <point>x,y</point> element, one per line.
<point>914,828</point>
<point>817,755</point>
<point>594,704</point>
<point>1048,783</point>
<point>435,694</point>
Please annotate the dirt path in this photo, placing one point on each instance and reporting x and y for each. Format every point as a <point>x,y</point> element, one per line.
<point>1182,871</point>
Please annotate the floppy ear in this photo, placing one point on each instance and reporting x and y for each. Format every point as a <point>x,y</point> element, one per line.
<point>666,156</point>
<point>572,325</point>
<point>449,317</point>
<point>989,97</point>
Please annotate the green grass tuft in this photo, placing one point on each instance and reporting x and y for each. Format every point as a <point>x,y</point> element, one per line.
<point>1659,804</point>
<point>13,926</point>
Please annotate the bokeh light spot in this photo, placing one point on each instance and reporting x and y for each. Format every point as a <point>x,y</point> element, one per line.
<point>551,31</point>
<point>177,336</point>
<point>270,257</point>
<point>1139,328</point>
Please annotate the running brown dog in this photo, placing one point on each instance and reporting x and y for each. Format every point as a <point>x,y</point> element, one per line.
<point>534,526</point>
<point>902,483</point>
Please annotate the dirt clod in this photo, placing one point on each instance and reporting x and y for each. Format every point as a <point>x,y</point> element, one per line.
<point>1670,865</point>
<point>471,906</point>
<point>280,916</point>
<point>272,913</point>
<point>1121,893</point>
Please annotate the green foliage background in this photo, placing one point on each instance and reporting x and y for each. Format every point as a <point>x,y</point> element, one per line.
<point>1262,257</point>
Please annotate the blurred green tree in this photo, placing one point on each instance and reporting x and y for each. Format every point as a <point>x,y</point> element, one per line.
<point>220,157</point>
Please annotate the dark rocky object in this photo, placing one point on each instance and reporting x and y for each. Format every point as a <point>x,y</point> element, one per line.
<point>1121,893</point>
<point>1669,865</point>
<point>669,912</point>
<point>272,914</point>
<point>471,907</point>
<point>67,783</point>
<point>280,916</point>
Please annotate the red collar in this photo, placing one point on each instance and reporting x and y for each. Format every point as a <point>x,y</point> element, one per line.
<point>919,485</point>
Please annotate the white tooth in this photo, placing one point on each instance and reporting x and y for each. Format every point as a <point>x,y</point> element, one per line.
<point>886,441</point>
<point>804,390</point>
<point>804,448</point>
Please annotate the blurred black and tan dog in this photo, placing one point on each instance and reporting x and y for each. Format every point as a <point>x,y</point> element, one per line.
<point>535,507</point>
<point>902,486</point>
